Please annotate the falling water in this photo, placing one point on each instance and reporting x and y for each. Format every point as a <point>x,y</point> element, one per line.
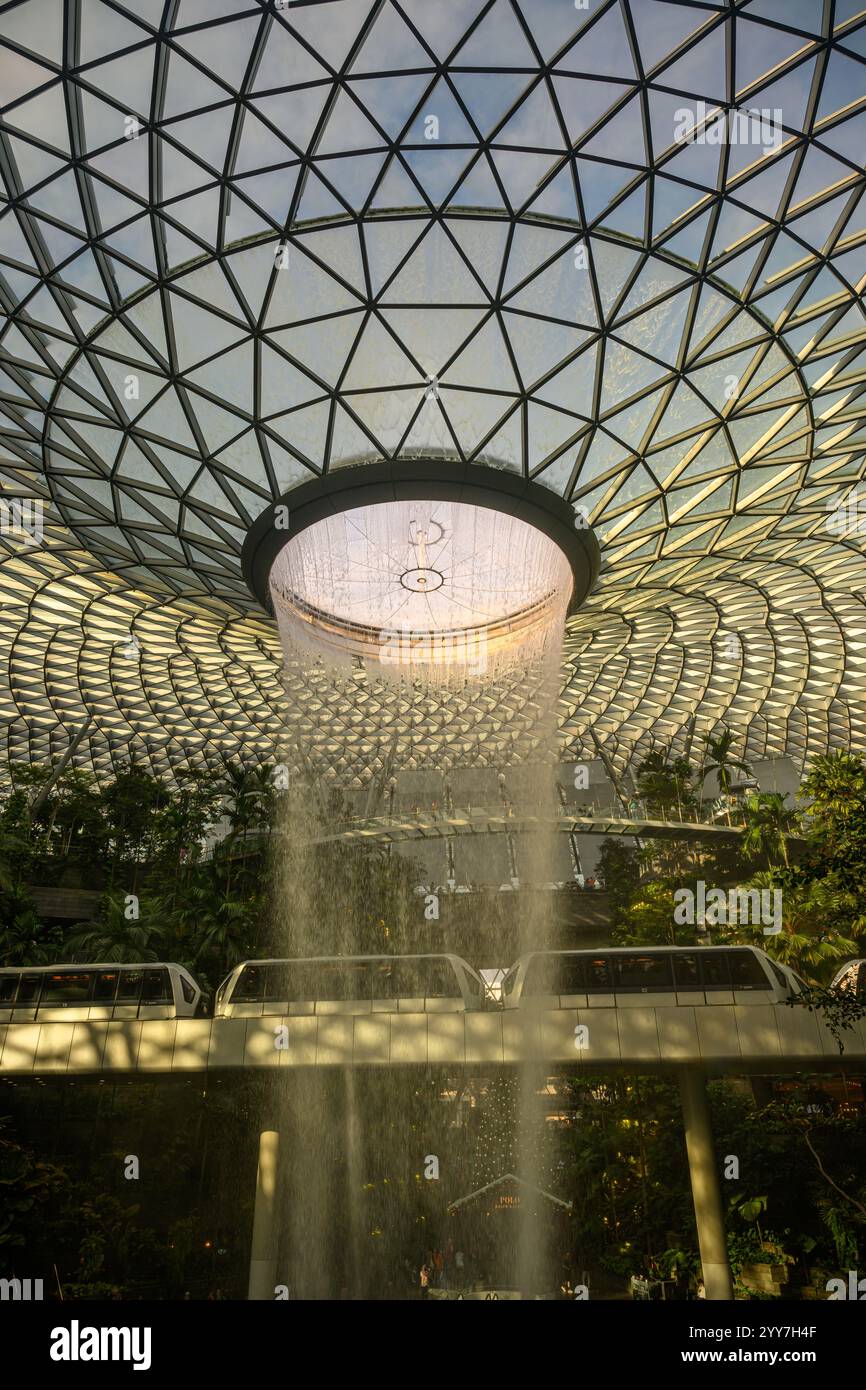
<point>536,1260</point>
<point>338,1126</point>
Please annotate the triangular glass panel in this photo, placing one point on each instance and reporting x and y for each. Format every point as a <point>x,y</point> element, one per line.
<point>583,102</point>
<point>621,136</point>
<point>436,273</point>
<point>386,243</point>
<point>599,185</point>
<point>437,170</point>
<point>498,41</point>
<point>281,385</point>
<point>224,49</point>
<point>443,28</point>
<point>488,96</point>
<point>602,50</point>
<point>701,69</point>
<point>287,63</point>
<point>390,100</point>
<point>378,360</point>
<point>479,189</point>
<point>389,47</point>
<point>557,198</point>
<point>483,360</point>
<point>287,470</point>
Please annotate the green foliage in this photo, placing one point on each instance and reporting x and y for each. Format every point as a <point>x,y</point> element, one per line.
<point>27,1187</point>
<point>719,761</point>
<point>619,866</point>
<point>664,784</point>
<point>767,822</point>
<point>649,920</point>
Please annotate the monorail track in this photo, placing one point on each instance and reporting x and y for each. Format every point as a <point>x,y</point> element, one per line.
<point>718,1038</point>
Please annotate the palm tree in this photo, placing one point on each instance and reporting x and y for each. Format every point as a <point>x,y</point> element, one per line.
<point>768,823</point>
<point>836,782</point>
<point>214,925</point>
<point>24,940</point>
<point>664,782</point>
<point>809,942</point>
<point>251,794</point>
<point>116,937</point>
<point>718,759</point>
<point>13,850</point>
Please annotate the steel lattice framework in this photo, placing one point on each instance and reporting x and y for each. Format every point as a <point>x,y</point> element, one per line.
<point>242,245</point>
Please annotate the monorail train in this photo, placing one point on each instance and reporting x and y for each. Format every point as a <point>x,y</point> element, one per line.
<point>75,993</point>
<point>851,976</point>
<point>654,975</point>
<point>350,985</point>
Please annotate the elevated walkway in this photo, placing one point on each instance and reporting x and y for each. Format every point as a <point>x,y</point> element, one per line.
<point>391,829</point>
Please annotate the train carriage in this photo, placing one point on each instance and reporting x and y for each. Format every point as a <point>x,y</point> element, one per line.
<point>351,985</point>
<point>629,976</point>
<point>77,993</point>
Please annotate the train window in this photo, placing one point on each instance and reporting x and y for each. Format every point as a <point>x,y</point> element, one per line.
<point>404,980</point>
<point>542,976</point>
<point>438,977</point>
<point>715,967</point>
<point>276,985</point>
<point>29,991</point>
<point>249,985</point>
<point>71,987</point>
<point>342,980</point>
<point>687,972</point>
<point>643,973</point>
<point>186,989</point>
<point>572,975</point>
<point>382,980</point>
<point>746,972</point>
<point>780,976</point>
<point>357,980</point>
<point>599,975</point>
<point>8,989</point>
<point>157,987</point>
<point>129,989</point>
<point>105,987</point>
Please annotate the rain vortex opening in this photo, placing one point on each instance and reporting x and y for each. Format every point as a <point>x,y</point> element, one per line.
<point>438,597</point>
<point>436,591</point>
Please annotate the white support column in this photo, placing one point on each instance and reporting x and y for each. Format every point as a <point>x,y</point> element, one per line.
<point>706,1195</point>
<point>263,1254</point>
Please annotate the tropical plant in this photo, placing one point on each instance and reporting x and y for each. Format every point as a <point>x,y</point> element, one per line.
<point>768,822</point>
<point>809,942</point>
<point>117,936</point>
<point>718,759</point>
<point>24,939</point>
<point>664,783</point>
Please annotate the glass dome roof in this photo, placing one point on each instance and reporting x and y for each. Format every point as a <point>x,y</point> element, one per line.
<point>242,245</point>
